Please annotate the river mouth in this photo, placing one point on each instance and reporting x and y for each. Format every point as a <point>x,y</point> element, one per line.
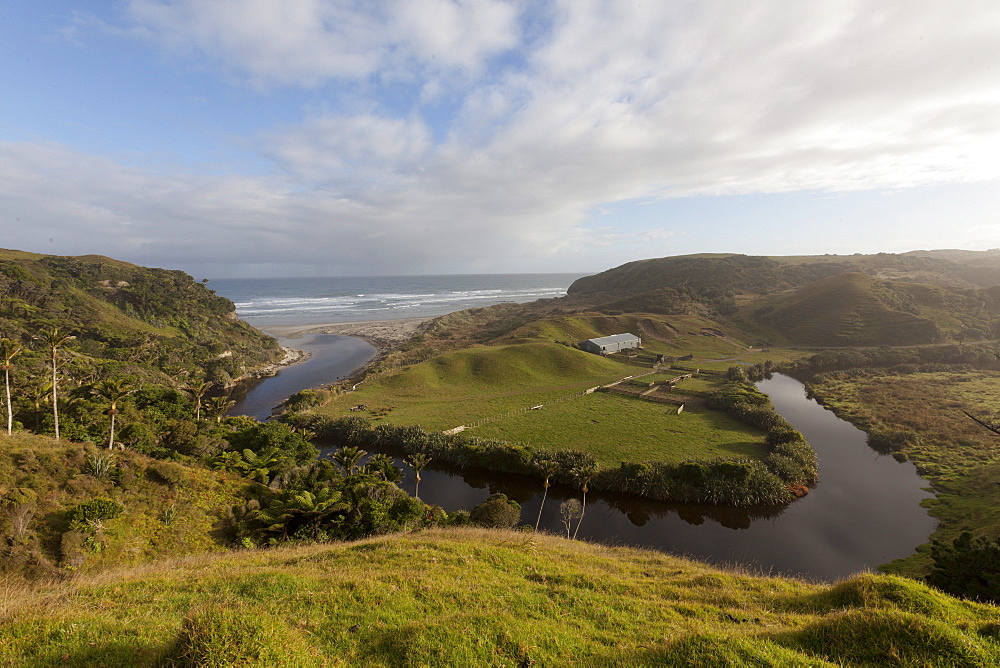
<point>331,358</point>
<point>865,510</point>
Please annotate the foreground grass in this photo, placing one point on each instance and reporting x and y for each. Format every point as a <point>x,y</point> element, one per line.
<point>476,597</point>
<point>960,458</point>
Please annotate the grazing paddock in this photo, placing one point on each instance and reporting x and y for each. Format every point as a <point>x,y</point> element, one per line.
<point>615,428</point>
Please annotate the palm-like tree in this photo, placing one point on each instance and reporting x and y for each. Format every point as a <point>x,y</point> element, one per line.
<point>113,391</point>
<point>417,462</point>
<point>219,405</point>
<point>348,457</point>
<point>295,510</point>
<point>384,467</point>
<point>548,468</point>
<point>54,339</point>
<point>19,306</point>
<point>197,392</point>
<point>583,475</point>
<point>39,395</point>
<point>9,349</point>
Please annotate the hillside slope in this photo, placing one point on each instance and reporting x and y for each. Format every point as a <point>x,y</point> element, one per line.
<point>844,310</point>
<point>485,598</point>
<point>156,319</point>
<point>166,508</point>
<point>851,300</point>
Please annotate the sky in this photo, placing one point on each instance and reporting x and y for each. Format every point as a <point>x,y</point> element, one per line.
<point>237,138</point>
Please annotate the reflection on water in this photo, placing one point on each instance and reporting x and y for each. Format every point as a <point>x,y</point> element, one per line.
<point>865,511</point>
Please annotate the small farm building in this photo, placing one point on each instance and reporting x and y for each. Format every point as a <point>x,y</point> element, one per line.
<point>606,345</point>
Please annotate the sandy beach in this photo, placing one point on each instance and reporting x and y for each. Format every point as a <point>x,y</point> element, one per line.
<point>385,335</point>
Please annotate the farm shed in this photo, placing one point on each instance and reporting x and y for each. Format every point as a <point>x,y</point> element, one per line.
<point>606,345</point>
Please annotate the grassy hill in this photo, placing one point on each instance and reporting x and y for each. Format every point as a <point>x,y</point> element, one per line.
<point>485,598</point>
<point>744,274</point>
<point>876,299</point>
<point>849,309</point>
<point>480,381</point>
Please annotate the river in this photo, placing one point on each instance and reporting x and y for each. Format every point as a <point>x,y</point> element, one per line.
<point>865,510</point>
<point>331,358</point>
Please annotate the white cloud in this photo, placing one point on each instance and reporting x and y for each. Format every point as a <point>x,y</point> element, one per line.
<point>306,42</point>
<point>609,101</point>
<point>353,151</point>
<point>623,99</point>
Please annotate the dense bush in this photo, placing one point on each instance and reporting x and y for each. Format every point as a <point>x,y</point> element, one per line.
<point>95,510</point>
<point>263,435</point>
<point>497,512</point>
<point>969,567</point>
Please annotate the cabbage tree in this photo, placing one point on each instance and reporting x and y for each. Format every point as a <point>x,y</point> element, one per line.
<point>9,348</point>
<point>113,391</point>
<point>54,339</point>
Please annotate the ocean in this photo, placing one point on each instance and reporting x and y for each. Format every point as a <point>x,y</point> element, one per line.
<point>302,301</point>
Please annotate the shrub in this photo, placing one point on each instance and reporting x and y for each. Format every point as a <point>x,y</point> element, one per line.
<point>19,496</point>
<point>306,399</point>
<point>100,465</point>
<point>94,511</point>
<point>497,512</point>
<point>459,518</point>
<point>434,516</point>
<point>167,473</point>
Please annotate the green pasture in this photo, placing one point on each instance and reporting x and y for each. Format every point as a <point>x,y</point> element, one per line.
<point>616,428</point>
<point>496,384</point>
<point>480,382</point>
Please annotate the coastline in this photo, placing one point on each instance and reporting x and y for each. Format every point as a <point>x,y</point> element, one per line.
<point>385,335</point>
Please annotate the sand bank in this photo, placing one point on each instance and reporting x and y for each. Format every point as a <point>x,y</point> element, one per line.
<point>385,335</point>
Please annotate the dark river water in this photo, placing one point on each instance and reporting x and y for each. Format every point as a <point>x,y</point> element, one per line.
<point>865,511</point>
<point>331,358</point>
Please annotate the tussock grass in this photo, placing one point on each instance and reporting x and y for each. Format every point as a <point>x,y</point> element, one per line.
<point>482,597</point>
<point>57,472</point>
